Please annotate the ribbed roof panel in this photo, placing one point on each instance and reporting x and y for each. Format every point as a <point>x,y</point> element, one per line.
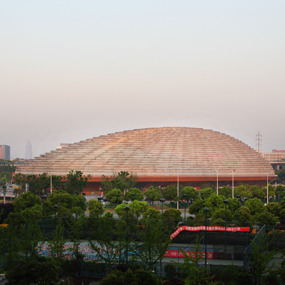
<point>154,152</point>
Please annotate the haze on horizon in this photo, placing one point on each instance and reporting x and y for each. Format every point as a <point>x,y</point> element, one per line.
<point>72,70</point>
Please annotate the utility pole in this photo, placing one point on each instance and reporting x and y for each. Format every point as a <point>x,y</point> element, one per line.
<point>258,141</point>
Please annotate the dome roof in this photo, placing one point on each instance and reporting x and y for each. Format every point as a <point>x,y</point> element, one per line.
<point>154,152</point>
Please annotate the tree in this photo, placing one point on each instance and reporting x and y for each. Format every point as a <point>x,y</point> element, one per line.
<point>171,218</point>
<point>76,182</point>
<point>280,191</point>
<point>110,240</point>
<point>95,208</point>
<point>152,194</point>
<point>152,243</point>
<point>255,206</point>
<point>226,191</point>
<point>206,192</point>
<point>259,259</point>
<point>169,192</point>
<point>34,271</point>
<point>191,193</point>
<point>123,180</point>
<point>26,200</point>
<point>281,175</point>
<point>134,194</point>
<point>38,184</point>
<point>67,204</point>
<point>114,196</point>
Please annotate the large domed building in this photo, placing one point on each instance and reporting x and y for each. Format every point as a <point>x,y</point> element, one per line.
<point>158,156</point>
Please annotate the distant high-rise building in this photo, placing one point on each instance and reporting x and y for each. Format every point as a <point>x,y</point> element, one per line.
<point>28,153</point>
<point>5,152</point>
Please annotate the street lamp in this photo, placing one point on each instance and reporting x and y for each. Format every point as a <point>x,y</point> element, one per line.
<point>226,202</point>
<point>217,172</point>
<point>238,198</point>
<point>127,208</point>
<point>162,200</point>
<point>55,211</point>
<point>44,197</point>
<point>185,199</point>
<point>133,199</point>
<point>100,198</point>
<point>233,186</point>
<point>206,211</point>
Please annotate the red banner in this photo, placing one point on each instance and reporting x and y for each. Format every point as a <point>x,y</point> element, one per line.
<point>192,254</point>
<point>209,229</point>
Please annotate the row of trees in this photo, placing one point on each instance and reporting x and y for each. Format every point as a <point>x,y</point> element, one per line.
<point>34,221</point>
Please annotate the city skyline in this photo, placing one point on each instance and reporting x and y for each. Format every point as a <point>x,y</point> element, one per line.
<point>72,71</point>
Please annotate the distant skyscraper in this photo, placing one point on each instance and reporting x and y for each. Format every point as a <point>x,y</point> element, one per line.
<point>28,153</point>
<point>5,152</point>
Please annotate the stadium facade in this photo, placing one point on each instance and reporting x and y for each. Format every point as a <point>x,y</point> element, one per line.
<point>158,156</point>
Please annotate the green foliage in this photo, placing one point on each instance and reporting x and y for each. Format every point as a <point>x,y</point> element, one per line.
<point>134,194</point>
<point>115,196</point>
<point>26,200</point>
<point>169,192</point>
<point>255,206</point>
<point>96,208</point>
<point>280,191</point>
<point>110,240</point>
<point>34,271</point>
<point>67,203</point>
<point>122,180</point>
<point>226,191</point>
<point>191,271</point>
<point>138,277</point>
<point>153,194</point>
<point>190,192</point>
<point>171,218</point>
<point>120,209</point>
<point>151,214</point>
<point>76,182</point>
<point>37,183</point>
<point>196,206</point>
<point>153,243</point>
<point>274,208</point>
<point>281,175</point>
<point>260,258</point>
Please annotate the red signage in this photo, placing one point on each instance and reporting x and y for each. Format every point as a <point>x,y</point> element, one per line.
<point>209,229</point>
<point>192,254</point>
<point>278,151</point>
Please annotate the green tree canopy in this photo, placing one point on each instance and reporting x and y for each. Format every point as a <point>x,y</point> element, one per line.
<point>190,192</point>
<point>152,193</point>
<point>67,204</point>
<point>76,182</point>
<point>134,194</point>
<point>114,196</point>
<point>169,192</point>
<point>123,180</point>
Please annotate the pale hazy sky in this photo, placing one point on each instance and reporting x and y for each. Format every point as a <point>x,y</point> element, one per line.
<point>71,70</point>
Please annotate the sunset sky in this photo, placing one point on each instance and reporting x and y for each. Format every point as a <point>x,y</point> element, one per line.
<point>72,70</point>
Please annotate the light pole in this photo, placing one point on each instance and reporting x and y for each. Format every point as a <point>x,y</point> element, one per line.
<point>127,208</point>
<point>133,199</point>
<point>233,186</point>
<point>177,206</point>
<point>162,200</point>
<point>238,198</point>
<point>226,202</point>
<point>217,172</point>
<point>100,198</point>
<point>267,189</point>
<point>185,204</point>
<point>44,197</point>
<point>55,211</point>
<point>206,211</point>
